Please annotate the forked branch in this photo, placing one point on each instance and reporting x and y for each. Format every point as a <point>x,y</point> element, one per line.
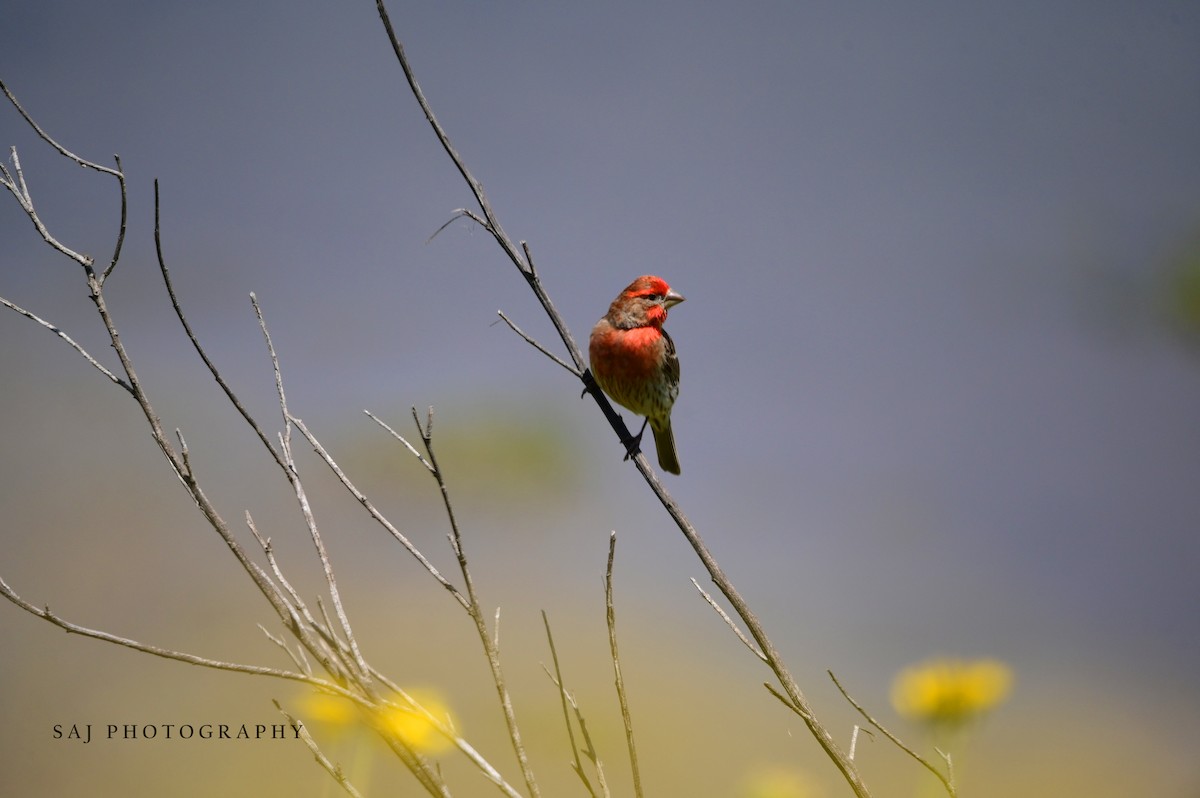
<point>619,680</point>
<point>521,258</point>
<point>332,644</point>
<point>946,780</point>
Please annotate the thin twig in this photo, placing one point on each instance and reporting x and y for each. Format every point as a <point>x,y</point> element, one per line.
<point>402,439</point>
<point>430,778</point>
<point>475,610</point>
<point>179,656</point>
<point>269,590</point>
<point>334,770</point>
<point>947,782</point>
<point>770,654</point>
<point>539,347</point>
<point>756,630</point>
<point>489,222</point>
<point>27,202</point>
<point>187,329</point>
<point>377,515</point>
<point>446,729</point>
<point>310,521</point>
<point>459,214</point>
<point>476,188</point>
<point>70,341</point>
<point>46,138</point>
<point>783,699</point>
<point>589,748</point>
<point>116,256</point>
<point>20,190</point>
<point>299,663</point>
<point>732,625</point>
<point>490,647</point>
<point>354,680</point>
<point>269,553</point>
<point>283,406</point>
<point>945,755</point>
<point>611,615</point>
<point>557,678</point>
<point>300,612</point>
<point>854,738</point>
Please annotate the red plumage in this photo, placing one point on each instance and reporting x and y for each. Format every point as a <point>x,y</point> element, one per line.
<point>634,361</point>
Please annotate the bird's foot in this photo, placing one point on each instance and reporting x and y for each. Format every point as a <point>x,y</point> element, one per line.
<point>633,445</point>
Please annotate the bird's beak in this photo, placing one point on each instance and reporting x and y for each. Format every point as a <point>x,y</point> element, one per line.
<point>672,298</point>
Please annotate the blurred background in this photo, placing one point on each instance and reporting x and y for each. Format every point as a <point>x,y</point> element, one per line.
<point>940,353</point>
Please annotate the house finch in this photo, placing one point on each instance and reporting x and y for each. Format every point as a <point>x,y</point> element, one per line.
<point>633,360</point>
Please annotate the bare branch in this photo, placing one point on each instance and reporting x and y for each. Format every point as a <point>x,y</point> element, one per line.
<point>287,416</point>
<point>611,615</point>
<point>459,214</point>
<point>447,730</point>
<point>769,653</point>
<point>377,515</point>
<point>539,347</point>
<point>476,188</point>
<point>589,749</point>
<point>353,678</point>
<point>183,470</point>
<point>475,610</point>
<point>299,662</point>
<point>489,222</point>
<point>785,700</point>
<point>322,760</point>
<point>854,738</point>
<point>400,438</point>
<point>732,625</point>
<point>557,678</point>
<point>46,138</point>
<point>331,646</point>
<point>179,656</point>
<point>18,188</point>
<point>269,553</point>
<point>70,341</point>
<point>529,258</point>
<point>949,766</point>
<point>27,202</point>
<point>756,630</point>
<point>187,328</point>
<point>327,569</point>
<point>430,779</point>
<point>947,782</point>
<point>116,256</point>
<point>288,464</point>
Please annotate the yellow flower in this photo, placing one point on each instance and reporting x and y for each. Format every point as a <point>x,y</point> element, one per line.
<point>405,721</point>
<point>413,726</point>
<point>778,782</point>
<point>951,691</point>
<point>331,709</point>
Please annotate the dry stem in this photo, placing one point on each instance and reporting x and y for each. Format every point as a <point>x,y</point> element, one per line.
<point>523,260</point>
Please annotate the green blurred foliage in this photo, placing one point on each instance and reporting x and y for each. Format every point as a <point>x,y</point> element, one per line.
<point>1183,291</point>
<point>491,452</point>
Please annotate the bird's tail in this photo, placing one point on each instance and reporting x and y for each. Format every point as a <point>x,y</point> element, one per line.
<point>664,442</point>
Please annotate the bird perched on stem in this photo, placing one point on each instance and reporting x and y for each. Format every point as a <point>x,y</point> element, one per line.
<point>634,362</point>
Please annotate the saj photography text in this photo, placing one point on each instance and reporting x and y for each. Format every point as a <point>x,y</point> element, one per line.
<point>87,732</point>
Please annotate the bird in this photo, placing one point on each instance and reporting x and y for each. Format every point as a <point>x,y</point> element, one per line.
<point>633,360</point>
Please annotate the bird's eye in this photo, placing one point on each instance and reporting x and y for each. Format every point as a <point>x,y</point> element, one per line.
<point>654,297</point>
